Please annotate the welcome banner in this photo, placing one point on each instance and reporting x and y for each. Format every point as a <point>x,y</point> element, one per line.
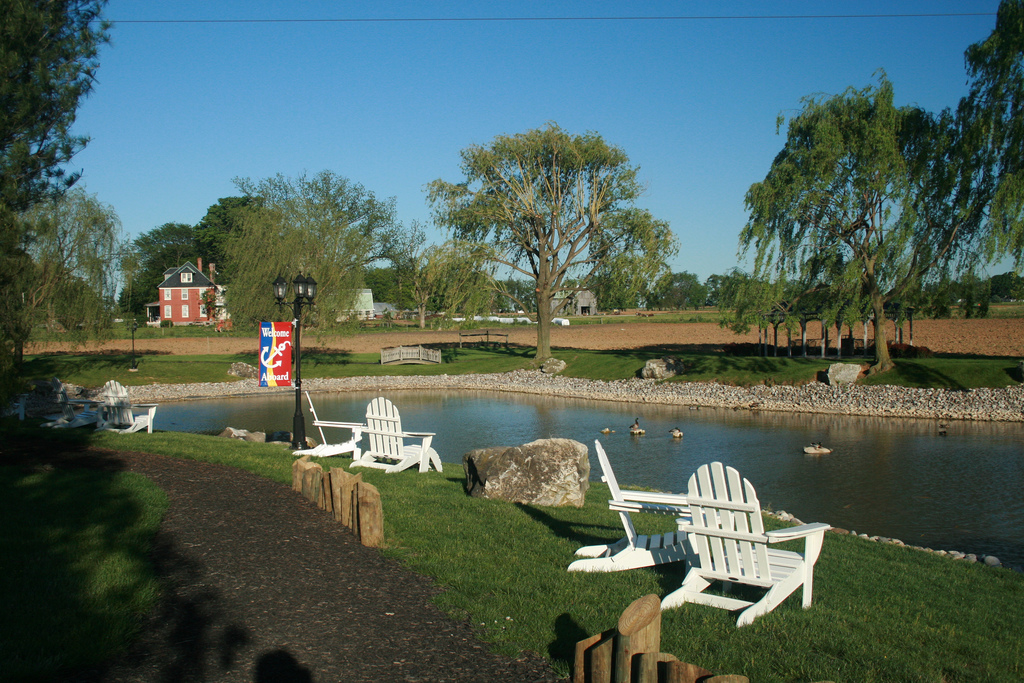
<point>275,354</point>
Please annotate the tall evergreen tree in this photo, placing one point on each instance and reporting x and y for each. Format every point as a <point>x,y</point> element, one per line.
<point>48,59</point>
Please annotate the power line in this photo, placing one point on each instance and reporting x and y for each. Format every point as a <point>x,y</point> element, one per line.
<point>383,20</point>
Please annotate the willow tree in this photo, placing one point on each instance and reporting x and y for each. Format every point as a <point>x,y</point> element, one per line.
<point>868,201</point>
<point>994,112</point>
<point>451,278</point>
<point>323,226</point>
<point>73,244</point>
<point>554,207</point>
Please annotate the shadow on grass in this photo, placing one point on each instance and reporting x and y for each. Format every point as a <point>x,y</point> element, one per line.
<point>66,364</point>
<point>70,514</point>
<point>572,530</point>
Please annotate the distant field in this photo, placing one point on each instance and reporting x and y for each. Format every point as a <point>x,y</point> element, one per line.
<point>1000,335</point>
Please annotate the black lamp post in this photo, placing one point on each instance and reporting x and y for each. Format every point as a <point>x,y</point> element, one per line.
<point>135,326</point>
<point>305,292</point>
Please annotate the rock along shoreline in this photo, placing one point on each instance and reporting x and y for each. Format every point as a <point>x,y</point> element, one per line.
<point>988,405</point>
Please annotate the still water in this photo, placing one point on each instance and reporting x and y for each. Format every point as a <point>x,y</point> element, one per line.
<point>897,478</point>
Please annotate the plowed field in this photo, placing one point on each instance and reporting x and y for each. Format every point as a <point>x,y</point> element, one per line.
<point>992,337</point>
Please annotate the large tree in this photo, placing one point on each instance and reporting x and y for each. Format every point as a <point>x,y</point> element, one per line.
<point>451,278</point>
<point>324,226</point>
<point>213,231</point>
<point>993,113</point>
<point>48,62</point>
<point>69,281</point>
<point>553,207</point>
<point>867,201</point>
<point>148,257</point>
<point>678,291</point>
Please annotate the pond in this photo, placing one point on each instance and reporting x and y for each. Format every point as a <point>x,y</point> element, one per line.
<point>896,478</point>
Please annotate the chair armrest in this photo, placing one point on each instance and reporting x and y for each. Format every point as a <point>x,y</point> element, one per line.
<point>340,425</point>
<point>801,531</point>
<point>655,508</point>
<point>420,434</point>
<point>655,497</point>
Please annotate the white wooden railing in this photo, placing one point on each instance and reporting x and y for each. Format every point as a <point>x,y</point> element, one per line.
<point>409,354</point>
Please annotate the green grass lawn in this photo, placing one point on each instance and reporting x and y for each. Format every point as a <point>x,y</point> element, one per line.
<point>880,613</point>
<point>74,574</point>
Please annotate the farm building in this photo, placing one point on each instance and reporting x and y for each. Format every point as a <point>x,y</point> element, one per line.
<point>187,297</point>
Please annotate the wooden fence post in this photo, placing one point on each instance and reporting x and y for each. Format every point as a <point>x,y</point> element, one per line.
<point>298,467</point>
<point>371,515</point>
<point>312,482</point>
<point>326,497</point>
<point>590,665</point>
<point>639,632</point>
<point>349,502</point>
<point>681,672</point>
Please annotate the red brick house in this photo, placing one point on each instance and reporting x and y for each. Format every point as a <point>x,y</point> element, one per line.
<point>185,297</point>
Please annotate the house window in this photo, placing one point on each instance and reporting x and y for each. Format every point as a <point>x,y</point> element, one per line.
<point>167,295</point>
<point>184,295</point>
<point>186,277</point>
<point>167,312</point>
<point>202,310</point>
<point>184,312</point>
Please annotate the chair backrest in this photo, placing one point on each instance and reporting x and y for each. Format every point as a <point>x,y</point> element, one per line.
<point>116,405</point>
<point>727,531</point>
<point>66,409</point>
<point>608,477</point>
<point>311,408</point>
<point>383,427</point>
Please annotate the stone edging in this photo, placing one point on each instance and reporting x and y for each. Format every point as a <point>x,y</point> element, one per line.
<point>990,405</point>
<point>987,560</point>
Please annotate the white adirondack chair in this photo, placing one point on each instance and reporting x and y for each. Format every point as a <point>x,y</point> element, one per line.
<point>634,550</point>
<point>326,449</point>
<point>728,537</point>
<point>387,447</point>
<point>118,413</point>
<point>69,416</point>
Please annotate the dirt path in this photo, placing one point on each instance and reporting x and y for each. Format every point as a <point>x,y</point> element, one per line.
<point>1000,337</point>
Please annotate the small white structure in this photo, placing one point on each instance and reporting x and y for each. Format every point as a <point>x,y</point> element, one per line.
<point>118,413</point>
<point>635,550</point>
<point>727,535</point>
<point>387,441</point>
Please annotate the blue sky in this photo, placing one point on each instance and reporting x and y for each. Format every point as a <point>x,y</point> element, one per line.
<point>183,108</point>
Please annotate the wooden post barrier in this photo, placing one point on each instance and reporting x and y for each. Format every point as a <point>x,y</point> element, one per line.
<point>630,653</point>
<point>351,501</point>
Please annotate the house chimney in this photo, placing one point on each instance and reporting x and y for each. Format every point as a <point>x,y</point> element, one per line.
<point>199,262</point>
<point>213,269</point>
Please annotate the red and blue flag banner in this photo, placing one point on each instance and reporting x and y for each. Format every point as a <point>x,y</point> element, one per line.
<point>275,354</point>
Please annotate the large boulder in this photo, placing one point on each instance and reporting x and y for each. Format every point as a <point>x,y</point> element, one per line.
<point>243,435</point>
<point>662,368</point>
<point>243,370</point>
<point>843,373</point>
<point>552,366</point>
<point>548,472</point>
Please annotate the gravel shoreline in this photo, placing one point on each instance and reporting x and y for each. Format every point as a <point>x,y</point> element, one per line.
<point>990,405</point>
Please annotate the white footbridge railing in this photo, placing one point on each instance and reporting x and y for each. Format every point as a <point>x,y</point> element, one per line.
<point>398,355</point>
